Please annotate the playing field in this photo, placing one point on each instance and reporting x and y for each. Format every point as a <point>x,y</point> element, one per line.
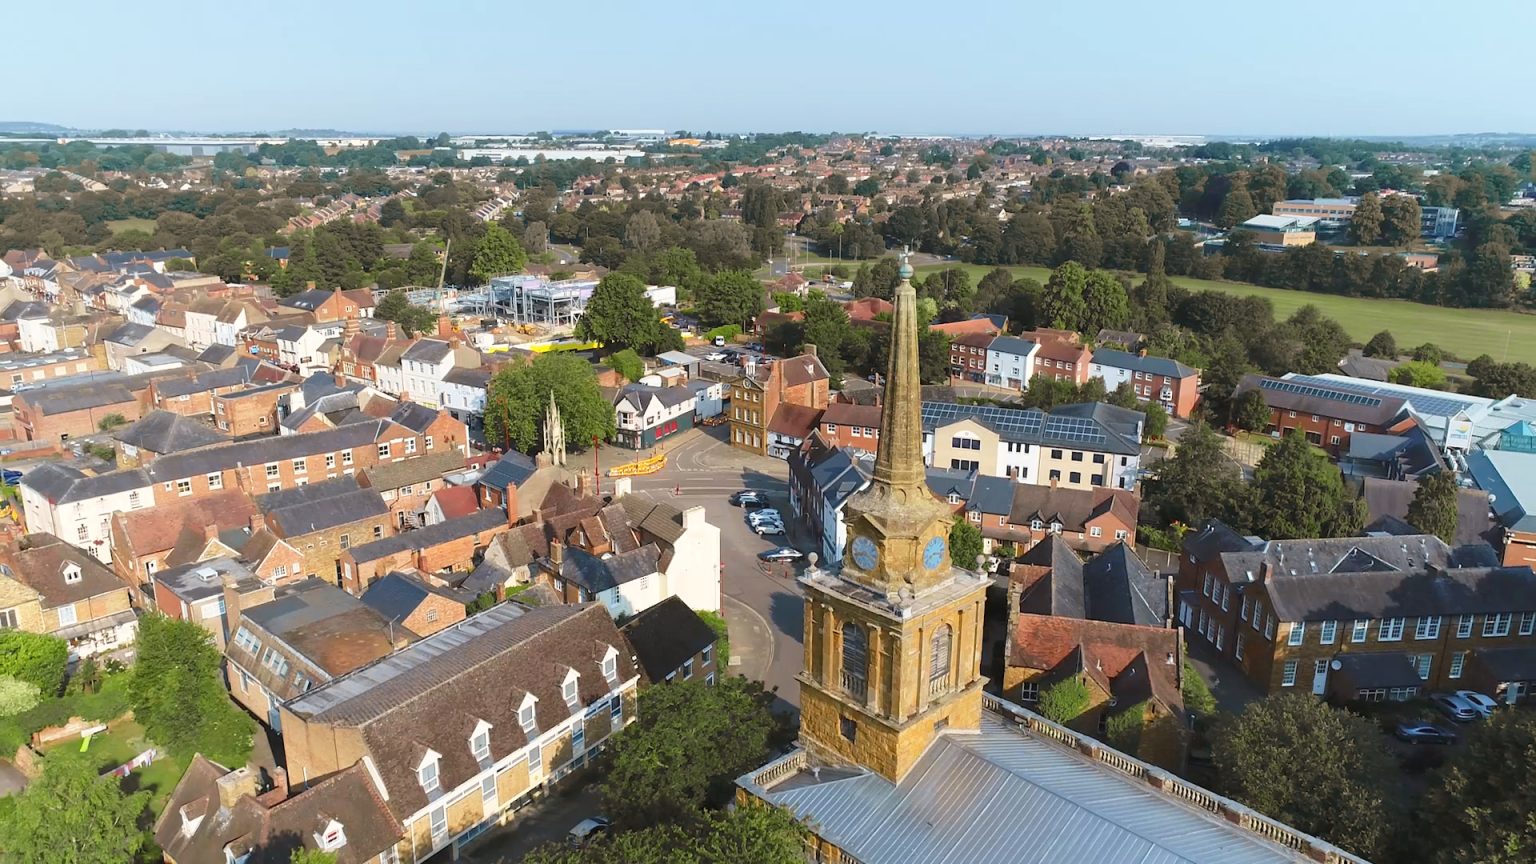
<point>118,226</point>
<point>1463,332</point>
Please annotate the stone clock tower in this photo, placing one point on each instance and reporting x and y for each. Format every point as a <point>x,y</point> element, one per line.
<point>893,641</point>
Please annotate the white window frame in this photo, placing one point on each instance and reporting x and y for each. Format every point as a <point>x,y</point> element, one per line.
<point>1497,624</point>
<point>1428,627</point>
<point>1288,673</point>
<point>1361,630</point>
<point>438,823</point>
<point>1390,629</point>
<point>1464,625</point>
<point>1527,623</point>
<point>1242,608</point>
<point>481,734</point>
<point>66,620</point>
<point>1328,633</point>
<point>431,782</point>
<point>1298,633</point>
<point>1458,662</point>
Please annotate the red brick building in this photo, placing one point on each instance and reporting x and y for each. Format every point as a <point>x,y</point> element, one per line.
<point>968,357</point>
<point>846,425</point>
<point>1060,358</point>
<point>445,546</point>
<point>755,399</point>
<point>54,414</point>
<point>1327,416</point>
<point>252,411</point>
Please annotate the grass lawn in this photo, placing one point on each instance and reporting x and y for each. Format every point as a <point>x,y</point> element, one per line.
<point>1507,336</point>
<point>121,744</point>
<point>118,226</point>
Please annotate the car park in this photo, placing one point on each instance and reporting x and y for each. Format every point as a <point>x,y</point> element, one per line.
<point>715,356</point>
<point>767,527</point>
<point>1455,707</point>
<point>1481,702</point>
<point>781,553</point>
<point>1414,732</point>
<point>770,515</point>
<point>586,831</point>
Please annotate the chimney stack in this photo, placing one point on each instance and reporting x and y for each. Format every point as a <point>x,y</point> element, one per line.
<point>235,785</point>
<point>810,349</point>
<point>279,791</point>
<point>556,552</point>
<point>390,331</point>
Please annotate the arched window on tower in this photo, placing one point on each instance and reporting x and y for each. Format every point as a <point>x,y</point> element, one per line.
<point>938,665</point>
<point>855,660</point>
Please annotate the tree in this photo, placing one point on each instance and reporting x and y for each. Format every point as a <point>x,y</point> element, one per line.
<point>392,213</point>
<point>1250,412</point>
<point>177,693</point>
<point>1433,509</point>
<point>1063,304</point>
<point>413,320</point>
<point>689,743</point>
<point>1401,223</point>
<point>1064,701</point>
<point>1236,208</point>
<point>1294,758</point>
<point>36,658</point>
<point>1417,373</point>
<point>72,814</point>
<point>619,314</point>
<point>964,543</point>
<point>1105,304</point>
<point>1478,810</point>
<point>730,297</point>
<point>744,835</point>
<point>497,254</point>
<point>536,238</point>
<point>1381,345</point>
<point>1157,420</point>
<point>1124,396</point>
<point>626,363</point>
<point>518,398</point>
<point>1430,353</point>
<point>642,232</point>
<point>1198,699</point>
<point>1298,493</point>
<point>716,622</point>
<point>1198,482</point>
<point>1366,224</point>
<point>311,856</point>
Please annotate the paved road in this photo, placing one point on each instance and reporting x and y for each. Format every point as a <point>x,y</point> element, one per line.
<point>763,605</point>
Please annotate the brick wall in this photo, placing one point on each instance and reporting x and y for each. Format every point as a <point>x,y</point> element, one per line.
<point>248,414</point>
<point>35,426</point>
<point>435,613</point>
<point>322,550</point>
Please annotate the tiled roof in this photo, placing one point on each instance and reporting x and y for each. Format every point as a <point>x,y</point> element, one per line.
<point>41,563</point>
<point>665,635</point>
<point>432,535</point>
<point>418,469</point>
<point>167,432</point>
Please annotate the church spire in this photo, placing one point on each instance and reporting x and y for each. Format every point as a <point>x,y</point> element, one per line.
<point>899,458</point>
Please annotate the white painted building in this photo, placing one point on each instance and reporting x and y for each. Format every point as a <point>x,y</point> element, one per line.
<point>62,501</point>
<point>423,367</point>
<point>1011,362</point>
<point>37,333</point>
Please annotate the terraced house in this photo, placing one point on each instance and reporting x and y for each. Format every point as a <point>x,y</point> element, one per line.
<point>470,724</point>
<point>1361,618</point>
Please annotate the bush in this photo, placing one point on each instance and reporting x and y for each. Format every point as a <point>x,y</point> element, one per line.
<point>722,638</point>
<point>1198,699</point>
<point>34,658</point>
<point>1122,731</point>
<point>16,696</point>
<point>729,331</point>
<point>1064,701</point>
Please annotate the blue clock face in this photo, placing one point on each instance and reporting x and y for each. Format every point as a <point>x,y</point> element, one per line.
<point>865,554</point>
<point>933,553</point>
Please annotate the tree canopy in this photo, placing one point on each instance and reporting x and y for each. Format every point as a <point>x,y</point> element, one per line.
<point>1334,791</point>
<point>518,397</point>
<point>1198,482</point>
<point>620,315</point>
<point>177,692</point>
<point>745,835</point>
<point>74,815</point>
<point>1481,808</point>
<point>1433,508</point>
<point>730,297</point>
<point>1298,493</point>
<point>964,543</point>
<point>497,254</point>
<point>683,753</point>
<point>36,658</point>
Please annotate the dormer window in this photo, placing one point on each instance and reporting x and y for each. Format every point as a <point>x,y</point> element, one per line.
<point>611,665</point>
<point>332,838</point>
<point>525,713</point>
<point>568,689</point>
<point>480,742</point>
<point>426,773</point>
<point>71,573</point>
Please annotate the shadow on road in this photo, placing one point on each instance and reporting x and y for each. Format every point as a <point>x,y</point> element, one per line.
<point>787,610</point>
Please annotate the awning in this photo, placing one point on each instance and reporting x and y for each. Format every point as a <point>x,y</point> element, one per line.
<point>95,625</point>
<point>1373,670</point>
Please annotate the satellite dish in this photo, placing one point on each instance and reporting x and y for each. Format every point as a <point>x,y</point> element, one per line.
<point>1335,665</point>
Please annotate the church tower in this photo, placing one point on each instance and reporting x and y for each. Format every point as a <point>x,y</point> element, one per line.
<point>893,641</point>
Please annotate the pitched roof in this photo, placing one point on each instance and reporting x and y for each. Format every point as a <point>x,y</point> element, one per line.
<point>1324,401</point>
<point>598,574</point>
<point>456,501</point>
<point>319,506</point>
<point>418,469</point>
<point>802,370</point>
<point>1134,661</point>
<point>1142,363</point>
<point>512,469</point>
<point>847,414</point>
<point>793,421</point>
<point>152,531</point>
<point>1119,587</point>
<point>1391,498</point>
<point>1059,589</point>
<point>665,635</point>
<point>167,432</point>
<point>396,595</point>
<point>45,563</point>
<point>1072,508</point>
<point>433,693</point>
<point>432,535</point>
<point>320,624</point>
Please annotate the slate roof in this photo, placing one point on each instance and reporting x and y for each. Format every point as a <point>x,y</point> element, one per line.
<point>1059,590</point>
<point>1390,498</point>
<point>476,379</point>
<point>130,334</point>
<point>396,595</point>
<point>1508,664</point>
<point>63,400</point>
<point>1330,402</point>
<point>417,418</point>
<point>1143,363</point>
<point>1129,661</point>
<point>1089,426</point>
<point>436,534</point>
<point>510,470</point>
<point>433,693</point>
<point>1359,670</point>
<point>640,396</point>
<point>598,574</point>
<point>666,635</point>
<point>1012,345</point>
<point>429,351</point>
<point>167,432</point>
<point>260,451</point>
<point>320,506</point>
<point>1119,587</point>
<point>309,301</point>
<point>62,484</point>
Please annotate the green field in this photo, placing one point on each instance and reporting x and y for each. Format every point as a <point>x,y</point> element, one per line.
<point>1507,336</point>
<point>118,226</point>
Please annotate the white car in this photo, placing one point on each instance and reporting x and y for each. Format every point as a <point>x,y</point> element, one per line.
<point>1480,702</point>
<point>761,528</point>
<point>715,356</point>
<point>768,515</point>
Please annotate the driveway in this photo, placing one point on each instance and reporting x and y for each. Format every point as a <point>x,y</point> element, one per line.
<point>546,821</point>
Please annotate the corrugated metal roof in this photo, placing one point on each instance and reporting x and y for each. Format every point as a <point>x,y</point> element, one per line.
<point>1005,795</point>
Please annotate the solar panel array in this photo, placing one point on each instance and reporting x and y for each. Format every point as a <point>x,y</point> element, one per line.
<point>1291,385</point>
<point>1424,404</point>
<point>1030,424</point>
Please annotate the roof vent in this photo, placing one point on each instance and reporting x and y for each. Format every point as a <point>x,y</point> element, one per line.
<point>207,574</point>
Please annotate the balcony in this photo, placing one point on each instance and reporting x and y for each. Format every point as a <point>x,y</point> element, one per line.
<point>937,687</point>
<point>855,686</point>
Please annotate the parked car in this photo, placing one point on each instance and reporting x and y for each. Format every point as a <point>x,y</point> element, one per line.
<point>1481,702</point>
<point>781,553</point>
<point>1455,707</point>
<point>719,341</point>
<point>1424,733</point>
<point>761,528</point>
<point>585,831</point>
<point>715,356</point>
<point>768,513</point>
<point>749,498</point>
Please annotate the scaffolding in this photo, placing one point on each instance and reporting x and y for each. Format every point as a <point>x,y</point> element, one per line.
<point>528,299</point>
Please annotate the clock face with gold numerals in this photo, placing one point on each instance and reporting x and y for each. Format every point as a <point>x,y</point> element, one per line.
<point>865,553</point>
<point>933,553</point>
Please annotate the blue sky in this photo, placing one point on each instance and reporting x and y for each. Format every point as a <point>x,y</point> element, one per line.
<point>1026,66</point>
